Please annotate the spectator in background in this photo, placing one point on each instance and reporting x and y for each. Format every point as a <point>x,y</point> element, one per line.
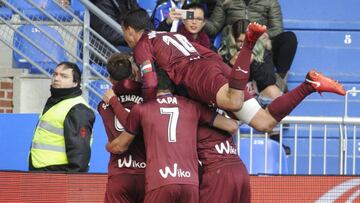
<point>163,8</point>
<point>262,66</point>
<point>190,28</point>
<point>115,9</point>
<point>63,135</point>
<point>126,171</point>
<point>265,12</point>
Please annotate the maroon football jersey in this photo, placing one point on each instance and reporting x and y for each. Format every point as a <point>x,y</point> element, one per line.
<point>173,53</point>
<point>215,148</point>
<point>132,161</point>
<point>169,126</point>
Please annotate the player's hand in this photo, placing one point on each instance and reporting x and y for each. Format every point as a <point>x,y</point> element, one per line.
<point>173,15</point>
<point>108,95</point>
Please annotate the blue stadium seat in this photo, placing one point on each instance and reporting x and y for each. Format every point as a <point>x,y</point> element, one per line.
<point>258,156</point>
<point>45,43</point>
<point>100,86</point>
<point>148,5</point>
<point>5,13</point>
<point>331,52</point>
<point>321,14</point>
<point>48,5</point>
<point>78,8</point>
<point>96,67</point>
<point>217,41</point>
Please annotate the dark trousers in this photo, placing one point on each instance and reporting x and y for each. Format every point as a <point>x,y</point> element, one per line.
<point>284,48</point>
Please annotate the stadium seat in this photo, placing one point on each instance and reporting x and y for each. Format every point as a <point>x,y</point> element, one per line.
<point>258,156</point>
<point>49,6</point>
<point>99,68</point>
<point>321,14</point>
<point>46,44</point>
<point>330,52</point>
<point>148,5</point>
<point>100,86</point>
<point>5,13</point>
<point>78,8</point>
<point>217,41</point>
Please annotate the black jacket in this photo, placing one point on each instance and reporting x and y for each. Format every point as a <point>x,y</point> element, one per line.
<point>116,13</point>
<point>78,126</point>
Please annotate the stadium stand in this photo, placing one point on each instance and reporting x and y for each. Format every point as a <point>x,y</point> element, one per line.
<point>5,13</point>
<point>45,44</point>
<point>100,86</point>
<point>78,8</point>
<point>258,156</point>
<point>148,5</point>
<point>50,7</point>
<point>321,14</point>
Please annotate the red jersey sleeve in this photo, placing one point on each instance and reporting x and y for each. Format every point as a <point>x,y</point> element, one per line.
<point>133,125</point>
<point>144,58</point>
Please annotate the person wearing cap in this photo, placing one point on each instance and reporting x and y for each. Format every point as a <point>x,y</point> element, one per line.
<point>63,135</point>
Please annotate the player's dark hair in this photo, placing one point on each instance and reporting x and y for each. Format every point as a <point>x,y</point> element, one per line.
<point>75,70</point>
<point>164,83</point>
<point>138,19</point>
<point>119,66</point>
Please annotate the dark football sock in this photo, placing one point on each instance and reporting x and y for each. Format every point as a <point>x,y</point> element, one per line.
<point>284,104</point>
<point>240,71</point>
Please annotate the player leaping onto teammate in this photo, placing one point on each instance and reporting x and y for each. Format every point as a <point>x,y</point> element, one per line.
<point>205,76</point>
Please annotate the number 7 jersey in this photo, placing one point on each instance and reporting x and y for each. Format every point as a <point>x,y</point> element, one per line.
<point>169,126</point>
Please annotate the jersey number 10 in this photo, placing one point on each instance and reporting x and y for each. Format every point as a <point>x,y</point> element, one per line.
<point>181,43</point>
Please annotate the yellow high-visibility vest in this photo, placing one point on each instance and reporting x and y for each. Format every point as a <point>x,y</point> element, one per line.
<point>48,143</point>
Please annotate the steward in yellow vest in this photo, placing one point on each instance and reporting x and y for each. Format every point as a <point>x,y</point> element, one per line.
<point>63,135</point>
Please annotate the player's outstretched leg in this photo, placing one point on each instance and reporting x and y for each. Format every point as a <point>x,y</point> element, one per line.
<point>314,81</point>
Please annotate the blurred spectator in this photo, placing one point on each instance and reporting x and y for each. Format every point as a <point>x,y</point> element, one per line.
<point>115,9</point>
<point>163,8</point>
<point>63,135</point>
<point>210,5</point>
<point>262,66</point>
<point>266,12</point>
<point>190,28</point>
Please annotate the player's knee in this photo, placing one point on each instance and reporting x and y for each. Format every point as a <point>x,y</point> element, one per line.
<point>235,105</point>
<point>264,127</point>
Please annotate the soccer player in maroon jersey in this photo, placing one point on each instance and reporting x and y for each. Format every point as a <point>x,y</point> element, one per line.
<point>224,176</point>
<point>169,125</point>
<point>207,78</point>
<point>125,171</point>
<point>199,69</point>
